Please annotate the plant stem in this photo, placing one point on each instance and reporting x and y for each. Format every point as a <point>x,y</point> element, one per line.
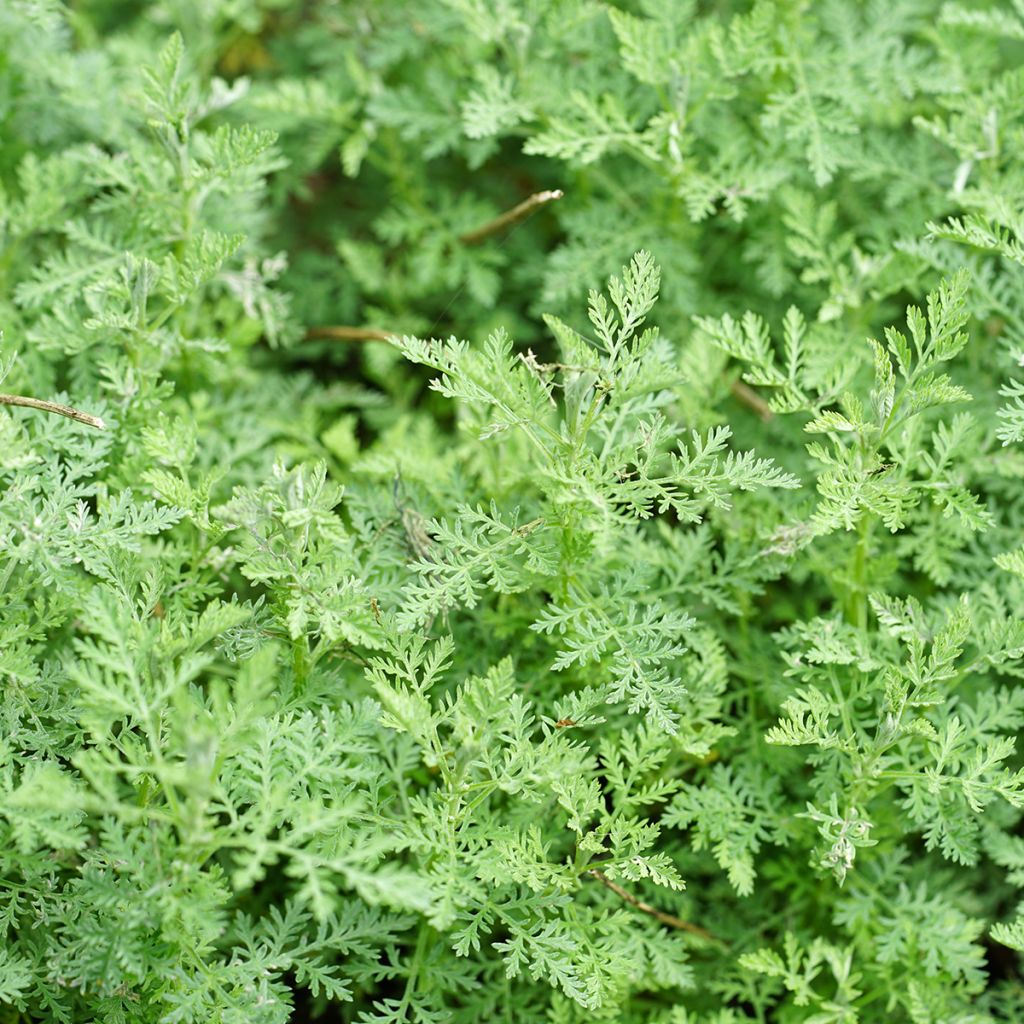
<point>333,333</point>
<point>419,954</point>
<point>54,407</point>
<point>300,663</point>
<point>509,217</point>
<point>750,398</point>
<point>858,610</point>
<point>670,919</point>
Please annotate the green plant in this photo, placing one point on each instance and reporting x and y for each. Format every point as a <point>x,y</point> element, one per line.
<point>647,657</point>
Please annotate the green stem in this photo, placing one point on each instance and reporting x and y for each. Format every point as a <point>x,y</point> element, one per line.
<point>414,970</point>
<point>844,710</point>
<point>300,663</point>
<point>857,604</point>
<point>5,579</point>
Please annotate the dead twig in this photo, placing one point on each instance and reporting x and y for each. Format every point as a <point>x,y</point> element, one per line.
<point>509,217</point>
<point>750,398</point>
<point>349,334</point>
<point>54,407</point>
<point>670,919</point>
<point>492,227</point>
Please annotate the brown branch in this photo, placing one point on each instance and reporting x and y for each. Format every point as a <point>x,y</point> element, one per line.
<point>670,919</point>
<point>54,407</point>
<point>349,334</point>
<point>509,217</point>
<point>750,398</point>
<point>503,220</point>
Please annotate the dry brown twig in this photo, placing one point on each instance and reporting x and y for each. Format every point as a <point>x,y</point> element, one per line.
<point>349,334</point>
<point>60,410</point>
<point>670,919</point>
<point>750,398</point>
<point>510,217</point>
<point>492,227</point>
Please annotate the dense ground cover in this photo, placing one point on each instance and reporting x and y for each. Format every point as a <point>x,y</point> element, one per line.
<point>647,651</point>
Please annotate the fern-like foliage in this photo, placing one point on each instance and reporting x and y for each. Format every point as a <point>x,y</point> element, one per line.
<point>511,511</point>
